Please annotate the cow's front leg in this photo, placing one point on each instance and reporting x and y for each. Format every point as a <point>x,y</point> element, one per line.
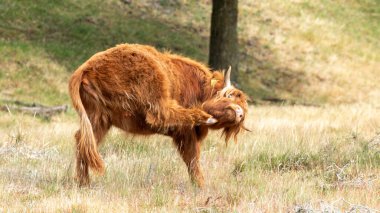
<point>189,149</point>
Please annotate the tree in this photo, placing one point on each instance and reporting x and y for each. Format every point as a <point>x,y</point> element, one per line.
<point>224,49</point>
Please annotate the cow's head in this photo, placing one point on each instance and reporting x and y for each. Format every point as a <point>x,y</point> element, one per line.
<point>229,106</point>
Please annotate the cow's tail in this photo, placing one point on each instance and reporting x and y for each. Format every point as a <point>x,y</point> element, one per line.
<point>86,144</point>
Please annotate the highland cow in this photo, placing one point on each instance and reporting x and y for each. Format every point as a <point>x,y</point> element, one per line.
<point>142,91</point>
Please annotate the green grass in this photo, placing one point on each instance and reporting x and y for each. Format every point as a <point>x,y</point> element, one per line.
<point>355,17</point>
<point>72,31</point>
<point>59,36</point>
<point>29,74</point>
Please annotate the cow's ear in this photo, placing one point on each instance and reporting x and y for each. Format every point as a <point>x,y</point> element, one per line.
<point>217,75</point>
<point>217,78</point>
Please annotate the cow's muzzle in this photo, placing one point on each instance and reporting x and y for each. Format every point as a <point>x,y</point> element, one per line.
<point>239,112</point>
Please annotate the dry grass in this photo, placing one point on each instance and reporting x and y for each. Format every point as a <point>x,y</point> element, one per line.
<point>296,159</point>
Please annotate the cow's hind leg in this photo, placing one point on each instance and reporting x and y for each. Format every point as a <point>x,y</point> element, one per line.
<point>170,114</point>
<point>100,128</point>
<point>82,175</point>
<point>189,148</point>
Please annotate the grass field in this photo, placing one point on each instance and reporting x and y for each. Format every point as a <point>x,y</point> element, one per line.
<point>296,158</point>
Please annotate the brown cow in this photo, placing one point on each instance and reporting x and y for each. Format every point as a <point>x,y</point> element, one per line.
<point>142,91</point>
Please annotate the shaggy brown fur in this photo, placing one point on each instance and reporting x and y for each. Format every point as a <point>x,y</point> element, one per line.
<point>142,91</point>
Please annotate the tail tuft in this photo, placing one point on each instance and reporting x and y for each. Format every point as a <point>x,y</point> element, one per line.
<point>88,148</point>
<point>87,145</point>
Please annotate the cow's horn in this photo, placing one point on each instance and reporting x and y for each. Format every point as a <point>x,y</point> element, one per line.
<point>227,78</point>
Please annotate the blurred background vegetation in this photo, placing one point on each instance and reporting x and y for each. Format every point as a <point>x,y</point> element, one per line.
<point>299,51</point>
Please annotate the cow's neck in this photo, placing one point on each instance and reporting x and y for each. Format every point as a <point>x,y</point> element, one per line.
<point>191,82</point>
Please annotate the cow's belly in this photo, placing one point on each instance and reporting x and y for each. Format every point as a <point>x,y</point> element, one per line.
<point>135,125</point>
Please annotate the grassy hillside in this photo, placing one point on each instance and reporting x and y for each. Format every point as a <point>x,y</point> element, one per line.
<point>302,51</point>
<point>42,42</point>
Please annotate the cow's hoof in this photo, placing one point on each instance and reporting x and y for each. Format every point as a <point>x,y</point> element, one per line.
<point>211,121</point>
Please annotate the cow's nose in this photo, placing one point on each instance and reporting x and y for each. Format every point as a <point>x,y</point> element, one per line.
<point>239,113</point>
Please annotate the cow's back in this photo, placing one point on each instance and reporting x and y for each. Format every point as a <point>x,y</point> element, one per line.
<point>126,75</point>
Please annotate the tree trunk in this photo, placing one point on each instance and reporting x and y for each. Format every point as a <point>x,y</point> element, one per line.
<point>223,40</point>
